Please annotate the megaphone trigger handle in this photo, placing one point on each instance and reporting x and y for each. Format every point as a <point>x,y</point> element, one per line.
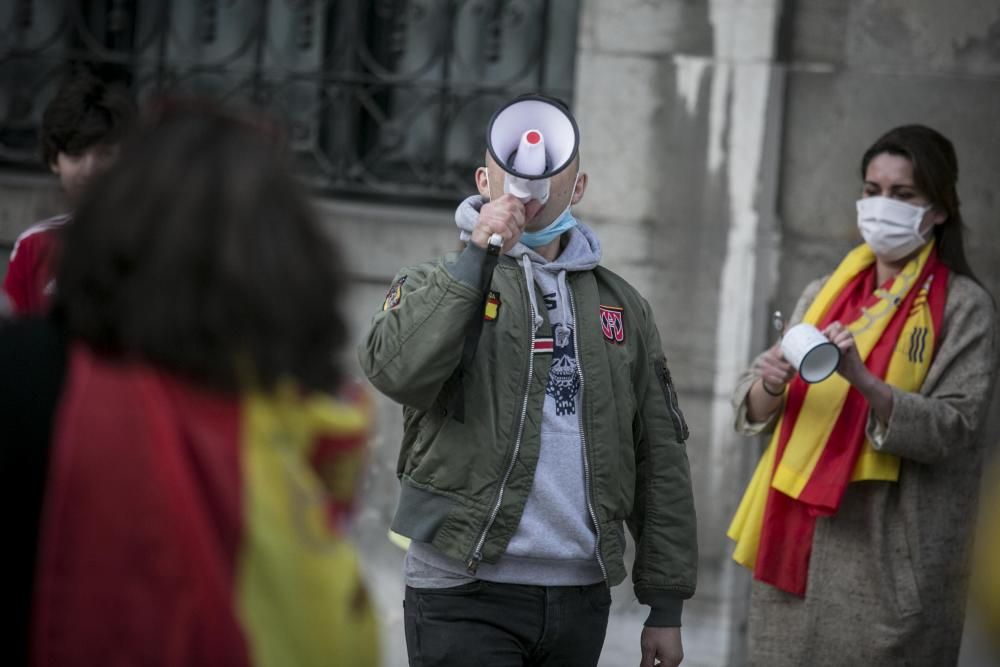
<point>494,244</point>
<point>519,187</point>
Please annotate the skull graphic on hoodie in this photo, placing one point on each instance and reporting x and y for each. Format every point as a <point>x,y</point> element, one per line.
<point>564,381</point>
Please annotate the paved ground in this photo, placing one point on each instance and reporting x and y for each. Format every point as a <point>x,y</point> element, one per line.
<point>703,634</point>
<point>977,650</point>
<point>621,647</point>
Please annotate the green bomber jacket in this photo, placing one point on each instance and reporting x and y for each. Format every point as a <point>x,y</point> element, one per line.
<point>464,485</point>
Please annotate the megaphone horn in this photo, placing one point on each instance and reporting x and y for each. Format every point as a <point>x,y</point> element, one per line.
<point>532,139</point>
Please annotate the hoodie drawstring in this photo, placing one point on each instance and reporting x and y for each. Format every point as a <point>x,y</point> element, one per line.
<point>529,277</point>
<point>563,300</point>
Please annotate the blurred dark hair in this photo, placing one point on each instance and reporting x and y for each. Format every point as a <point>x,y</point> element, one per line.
<point>198,251</point>
<point>85,112</point>
<point>935,174</point>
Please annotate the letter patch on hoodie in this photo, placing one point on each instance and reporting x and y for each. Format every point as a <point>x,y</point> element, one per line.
<point>613,323</point>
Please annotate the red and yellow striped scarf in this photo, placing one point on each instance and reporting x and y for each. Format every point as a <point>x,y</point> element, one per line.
<point>819,443</point>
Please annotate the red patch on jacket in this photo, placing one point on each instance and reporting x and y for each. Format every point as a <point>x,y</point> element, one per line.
<point>613,323</point>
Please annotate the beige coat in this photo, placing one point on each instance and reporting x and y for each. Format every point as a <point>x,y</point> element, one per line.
<point>888,572</point>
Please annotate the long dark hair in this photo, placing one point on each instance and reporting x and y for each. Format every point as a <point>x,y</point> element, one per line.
<point>199,252</point>
<point>935,173</point>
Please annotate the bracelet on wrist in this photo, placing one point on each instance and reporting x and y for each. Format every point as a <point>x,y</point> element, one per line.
<point>768,391</point>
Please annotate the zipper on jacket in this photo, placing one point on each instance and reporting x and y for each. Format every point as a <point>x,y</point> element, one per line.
<point>583,438</point>
<point>477,553</point>
<point>680,425</point>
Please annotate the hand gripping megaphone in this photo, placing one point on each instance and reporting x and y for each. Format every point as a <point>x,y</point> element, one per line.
<point>532,138</point>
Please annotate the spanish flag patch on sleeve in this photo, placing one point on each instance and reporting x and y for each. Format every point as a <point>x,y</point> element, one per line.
<point>492,306</point>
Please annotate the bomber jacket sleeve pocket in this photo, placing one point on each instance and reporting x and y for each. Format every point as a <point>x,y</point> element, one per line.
<point>670,396</point>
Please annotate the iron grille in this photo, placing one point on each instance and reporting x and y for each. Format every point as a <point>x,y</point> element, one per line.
<point>380,97</point>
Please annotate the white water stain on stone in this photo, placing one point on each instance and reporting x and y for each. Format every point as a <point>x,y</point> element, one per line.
<point>690,73</point>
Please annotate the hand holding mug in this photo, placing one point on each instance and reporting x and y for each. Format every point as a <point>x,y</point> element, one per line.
<point>774,370</point>
<point>851,366</point>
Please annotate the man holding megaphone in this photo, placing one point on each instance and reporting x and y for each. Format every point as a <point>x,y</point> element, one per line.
<point>540,418</point>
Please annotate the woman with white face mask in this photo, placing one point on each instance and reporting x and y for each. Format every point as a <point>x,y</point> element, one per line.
<point>858,521</point>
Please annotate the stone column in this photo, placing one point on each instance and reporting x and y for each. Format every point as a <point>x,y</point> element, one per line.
<point>679,107</point>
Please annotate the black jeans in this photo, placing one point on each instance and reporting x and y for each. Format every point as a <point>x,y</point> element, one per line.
<point>505,625</point>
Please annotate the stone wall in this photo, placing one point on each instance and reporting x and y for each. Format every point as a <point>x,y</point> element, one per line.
<point>857,69</point>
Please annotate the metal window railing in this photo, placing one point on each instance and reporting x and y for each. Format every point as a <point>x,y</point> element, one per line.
<point>386,98</point>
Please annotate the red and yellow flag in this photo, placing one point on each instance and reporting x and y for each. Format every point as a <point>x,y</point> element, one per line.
<point>819,443</point>
<point>187,527</point>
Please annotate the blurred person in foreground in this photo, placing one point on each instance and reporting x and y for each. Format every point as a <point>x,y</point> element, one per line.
<point>986,573</point>
<point>201,469</point>
<point>858,521</point>
<point>571,429</point>
<point>82,128</point>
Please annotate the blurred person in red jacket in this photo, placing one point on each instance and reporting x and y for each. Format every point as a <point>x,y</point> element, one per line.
<point>82,128</point>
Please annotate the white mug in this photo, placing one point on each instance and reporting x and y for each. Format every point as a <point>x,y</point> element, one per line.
<point>810,352</point>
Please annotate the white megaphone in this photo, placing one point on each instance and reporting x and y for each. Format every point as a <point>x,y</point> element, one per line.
<point>532,139</point>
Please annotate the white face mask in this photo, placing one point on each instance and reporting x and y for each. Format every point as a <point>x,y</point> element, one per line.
<point>892,229</point>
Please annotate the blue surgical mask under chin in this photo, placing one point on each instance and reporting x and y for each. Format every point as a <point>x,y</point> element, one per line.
<point>560,225</point>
